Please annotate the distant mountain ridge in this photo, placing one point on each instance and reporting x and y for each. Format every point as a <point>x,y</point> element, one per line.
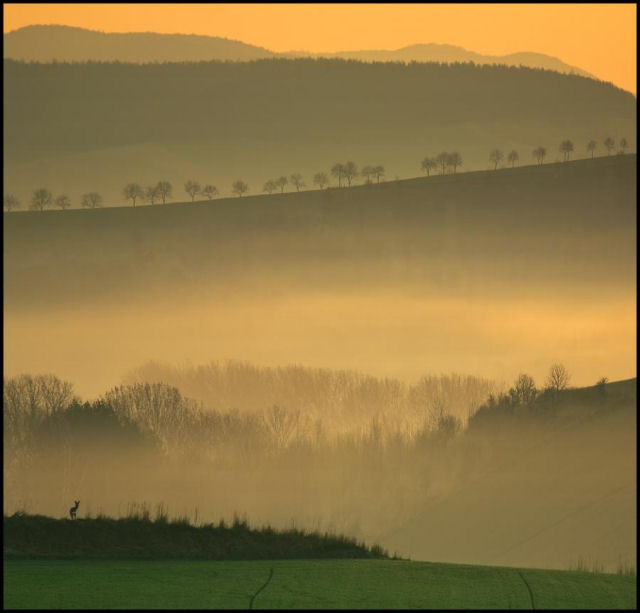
<point>432,52</point>
<point>45,43</point>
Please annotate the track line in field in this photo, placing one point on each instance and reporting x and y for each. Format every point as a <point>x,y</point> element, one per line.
<point>260,589</point>
<point>533,604</point>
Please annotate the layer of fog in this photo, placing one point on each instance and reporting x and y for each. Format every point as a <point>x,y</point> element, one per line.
<point>388,334</point>
<point>542,485</point>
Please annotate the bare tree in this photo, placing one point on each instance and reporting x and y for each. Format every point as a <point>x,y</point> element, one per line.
<point>209,191</point>
<point>192,188</point>
<point>558,378</point>
<point>164,189</point>
<point>150,194</point>
<point>321,179</point>
<point>623,145</point>
<point>366,172</point>
<point>350,172</point>
<point>428,164</point>
<point>11,202</point>
<point>513,157</point>
<point>41,199</point>
<point>496,157</point>
<point>269,187</point>
<point>281,424</point>
<point>132,191</point>
<point>566,147</point>
<point>337,170</point>
<point>239,187</point>
<point>442,160</point>
<point>455,160</point>
<point>378,171</point>
<point>91,200</point>
<point>296,179</point>
<point>539,154</point>
<point>524,390</point>
<point>281,182</point>
<point>591,147</point>
<point>609,144</point>
<point>63,201</point>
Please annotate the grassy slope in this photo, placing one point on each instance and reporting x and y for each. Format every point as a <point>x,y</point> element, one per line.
<point>303,584</point>
<point>105,125</point>
<point>565,494</point>
<point>44,537</point>
<point>565,224</point>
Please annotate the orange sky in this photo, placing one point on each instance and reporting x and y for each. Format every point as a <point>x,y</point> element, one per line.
<point>600,38</point>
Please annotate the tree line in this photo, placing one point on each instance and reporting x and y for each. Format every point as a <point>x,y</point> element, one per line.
<point>344,173</point>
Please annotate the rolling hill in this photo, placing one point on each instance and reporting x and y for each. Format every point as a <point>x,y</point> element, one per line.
<point>379,278</point>
<point>45,43</point>
<point>99,126</point>
<point>567,495</point>
<point>432,52</point>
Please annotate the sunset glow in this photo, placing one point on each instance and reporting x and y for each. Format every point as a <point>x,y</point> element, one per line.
<point>599,38</point>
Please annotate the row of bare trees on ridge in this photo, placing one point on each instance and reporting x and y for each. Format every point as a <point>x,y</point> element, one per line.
<point>344,173</point>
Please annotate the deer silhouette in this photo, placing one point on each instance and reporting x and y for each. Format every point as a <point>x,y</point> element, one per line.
<point>72,510</point>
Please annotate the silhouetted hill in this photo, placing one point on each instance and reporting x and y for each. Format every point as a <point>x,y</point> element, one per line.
<point>567,226</point>
<point>433,52</point>
<point>46,43</point>
<point>567,494</point>
<point>37,536</point>
<point>77,128</point>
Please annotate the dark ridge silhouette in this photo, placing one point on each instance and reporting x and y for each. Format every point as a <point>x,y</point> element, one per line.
<point>433,52</point>
<point>137,537</point>
<point>563,223</point>
<point>220,121</point>
<point>45,43</point>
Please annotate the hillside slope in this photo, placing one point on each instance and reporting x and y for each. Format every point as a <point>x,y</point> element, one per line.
<point>432,52</point>
<point>489,273</point>
<point>46,43</point>
<point>101,126</point>
<point>565,224</point>
<point>567,495</point>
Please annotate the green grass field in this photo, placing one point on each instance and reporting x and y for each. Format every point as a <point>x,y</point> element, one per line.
<point>322,584</point>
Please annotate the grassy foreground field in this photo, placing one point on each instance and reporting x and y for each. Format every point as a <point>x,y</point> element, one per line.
<point>304,584</point>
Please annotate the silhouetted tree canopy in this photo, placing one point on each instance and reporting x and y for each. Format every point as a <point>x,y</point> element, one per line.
<point>192,188</point>
<point>11,202</point>
<point>91,200</point>
<point>496,157</point>
<point>428,164</point>
<point>455,160</point>
<point>321,179</point>
<point>239,187</point>
<point>133,191</point>
<point>338,170</point>
<point>209,191</point>
<point>566,147</point>
<point>296,179</point>
<point>609,144</point>
<point>41,199</point>
<point>623,144</point>
<point>164,189</point>
<point>63,202</point>
<point>442,160</point>
<point>539,154</point>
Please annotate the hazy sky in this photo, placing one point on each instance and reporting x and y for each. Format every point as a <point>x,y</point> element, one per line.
<point>600,38</point>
